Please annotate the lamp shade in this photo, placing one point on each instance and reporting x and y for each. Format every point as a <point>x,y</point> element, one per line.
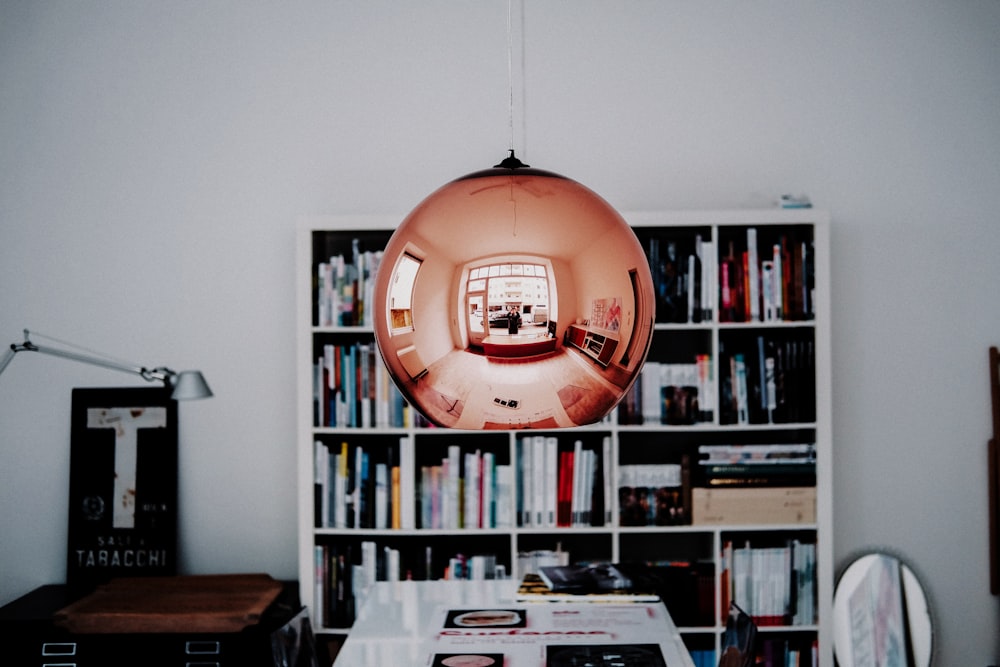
<point>513,298</point>
<point>190,385</point>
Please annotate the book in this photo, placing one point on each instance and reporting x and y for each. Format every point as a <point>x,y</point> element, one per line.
<point>709,261</point>
<point>471,517</point>
<point>551,483</point>
<point>321,496</point>
<point>753,277</point>
<point>488,490</point>
<point>382,496</point>
<point>606,478</point>
<point>504,495</point>
<point>539,481</point>
<point>739,378</point>
<point>577,483</point>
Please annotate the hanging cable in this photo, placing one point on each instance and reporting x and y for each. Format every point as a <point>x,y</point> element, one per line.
<point>510,74</point>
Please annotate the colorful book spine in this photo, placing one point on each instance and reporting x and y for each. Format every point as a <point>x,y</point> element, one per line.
<point>775,585</point>
<point>345,288</point>
<point>352,389</point>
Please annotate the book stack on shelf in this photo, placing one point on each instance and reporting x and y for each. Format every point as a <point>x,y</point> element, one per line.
<point>344,290</point>
<point>683,271</point>
<point>675,394</point>
<point>333,602</point>
<point>775,585</point>
<point>768,377</point>
<point>753,465</point>
<point>465,490</point>
<point>766,279</point>
<point>562,485</point>
<point>715,464</point>
<point>744,484</point>
<point>352,389</point>
<point>358,486</point>
<point>652,494</point>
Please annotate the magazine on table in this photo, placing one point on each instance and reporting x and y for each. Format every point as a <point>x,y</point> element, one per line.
<point>556,635</point>
<point>632,580</point>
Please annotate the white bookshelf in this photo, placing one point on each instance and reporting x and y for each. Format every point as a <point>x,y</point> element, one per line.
<point>629,443</point>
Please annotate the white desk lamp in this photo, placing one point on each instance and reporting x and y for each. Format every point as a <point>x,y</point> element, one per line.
<point>186,385</point>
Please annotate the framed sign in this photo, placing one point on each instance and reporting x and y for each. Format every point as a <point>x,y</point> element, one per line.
<point>606,314</point>
<point>123,485</point>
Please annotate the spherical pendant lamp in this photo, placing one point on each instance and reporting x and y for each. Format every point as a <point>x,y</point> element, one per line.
<point>513,298</point>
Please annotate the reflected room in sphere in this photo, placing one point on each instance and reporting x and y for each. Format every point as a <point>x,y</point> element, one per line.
<point>513,298</point>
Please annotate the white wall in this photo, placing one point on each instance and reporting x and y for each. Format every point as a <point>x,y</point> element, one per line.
<point>155,156</point>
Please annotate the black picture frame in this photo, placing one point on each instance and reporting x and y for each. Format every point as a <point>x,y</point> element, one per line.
<point>993,472</point>
<point>123,485</point>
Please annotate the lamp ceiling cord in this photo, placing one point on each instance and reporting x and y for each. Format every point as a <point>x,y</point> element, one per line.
<point>512,161</point>
<point>510,74</point>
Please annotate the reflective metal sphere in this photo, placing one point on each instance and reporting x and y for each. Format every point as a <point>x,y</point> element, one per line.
<point>513,298</point>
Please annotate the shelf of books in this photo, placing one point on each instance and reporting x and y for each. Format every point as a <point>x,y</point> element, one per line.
<point>717,462</point>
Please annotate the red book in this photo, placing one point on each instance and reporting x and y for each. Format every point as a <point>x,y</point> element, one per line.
<point>564,489</point>
<point>745,292</point>
<point>726,294</point>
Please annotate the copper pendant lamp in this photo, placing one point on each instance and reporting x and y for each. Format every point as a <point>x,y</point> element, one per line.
<point>513,298</point>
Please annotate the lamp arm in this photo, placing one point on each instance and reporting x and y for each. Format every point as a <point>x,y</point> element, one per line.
<point>8,357</point>
<point>155,374</point>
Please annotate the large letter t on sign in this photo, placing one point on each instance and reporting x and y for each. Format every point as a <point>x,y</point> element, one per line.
<point>126,422</point>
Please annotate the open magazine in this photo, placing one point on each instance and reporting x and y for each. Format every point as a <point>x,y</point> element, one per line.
<point>534,589</point>
<point>556,635</point>
<point>626,579</point>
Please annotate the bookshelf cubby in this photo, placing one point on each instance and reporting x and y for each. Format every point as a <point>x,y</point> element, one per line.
<point>726,428</point>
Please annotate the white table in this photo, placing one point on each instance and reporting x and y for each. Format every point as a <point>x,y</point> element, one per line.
<point>418,623</point>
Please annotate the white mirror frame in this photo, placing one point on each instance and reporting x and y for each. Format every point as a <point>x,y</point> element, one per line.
<point>874,628</point>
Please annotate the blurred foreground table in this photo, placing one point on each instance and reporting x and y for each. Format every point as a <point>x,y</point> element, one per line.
<point>481,624</point>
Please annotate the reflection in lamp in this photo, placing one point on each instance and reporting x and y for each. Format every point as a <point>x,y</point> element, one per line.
<point>514,242</point>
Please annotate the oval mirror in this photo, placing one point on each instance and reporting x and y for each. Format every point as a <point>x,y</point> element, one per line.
<point>513,298</point>
<point>881,617</point>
